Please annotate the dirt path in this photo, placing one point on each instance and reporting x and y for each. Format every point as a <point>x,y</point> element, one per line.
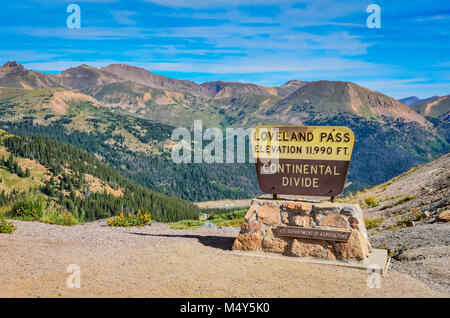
<point>160,262</point>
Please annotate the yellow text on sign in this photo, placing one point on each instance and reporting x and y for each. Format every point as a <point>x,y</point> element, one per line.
<point>303,142</point>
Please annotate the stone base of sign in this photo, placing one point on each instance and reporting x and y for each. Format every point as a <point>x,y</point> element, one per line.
<point>267,221</point>
<point>378,261</point>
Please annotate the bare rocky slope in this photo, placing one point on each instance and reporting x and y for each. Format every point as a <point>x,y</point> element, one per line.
<point>321,99</point>
<point>207,89</point>
<point>404,216</point>
<point>437,107</point>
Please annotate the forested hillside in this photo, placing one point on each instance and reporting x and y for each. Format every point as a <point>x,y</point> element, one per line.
<point>82,185</point>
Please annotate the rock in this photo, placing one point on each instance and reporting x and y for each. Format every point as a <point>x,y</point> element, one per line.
<point>349,211</point>
<point>274,244</point>
<point>265,202</point>
<point>331,254</point>
<point>444,216</point>
<point>308,248</point>
<point>247,242</point>
<point>293,206</point>
<point>285,217</point>
<point>209,225</point>
<point>250,212</point>
<point>318,217</point>
<point>353,249</point>
<point>334,220</point>
<point>252,226</point>
<point>326,207</point>
<point>229,228</point>
<point>302,220</point>
<point>269,214</point>
<point>354,222</point>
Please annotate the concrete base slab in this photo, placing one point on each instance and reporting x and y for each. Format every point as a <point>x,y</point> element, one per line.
<point>378,260</point>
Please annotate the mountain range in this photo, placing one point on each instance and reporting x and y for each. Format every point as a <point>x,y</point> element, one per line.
<point>125,114</point>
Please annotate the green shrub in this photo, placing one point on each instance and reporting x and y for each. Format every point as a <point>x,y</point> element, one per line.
<point>372,223</point>
<point>405,199</point>
<point>186,224</point>
<point>59,218</point>
<point>233,222</point>
<point>6,227</point>
<point>371,201</point>
<point>228,216</point>
<point>234,219</point>
<point>29,208</point>
<point>211,211</point>
<point>131,220</point>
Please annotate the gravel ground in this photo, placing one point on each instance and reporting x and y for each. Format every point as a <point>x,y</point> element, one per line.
<point>157,261</point>
<point>422,252</point>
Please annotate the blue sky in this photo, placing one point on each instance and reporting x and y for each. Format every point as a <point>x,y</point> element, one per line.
<point>261,41</point>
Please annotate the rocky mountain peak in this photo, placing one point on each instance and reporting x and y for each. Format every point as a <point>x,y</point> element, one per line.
<point>12,64</point>
<point>10,67</point>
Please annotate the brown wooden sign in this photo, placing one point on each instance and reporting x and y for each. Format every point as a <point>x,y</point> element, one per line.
<point>302,160</point>
<point>312,233</point>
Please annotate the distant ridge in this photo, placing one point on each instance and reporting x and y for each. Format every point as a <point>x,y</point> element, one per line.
<point>207,89</point>
<point>438,107</point>
<point>132,89</point>
<point>412,100</point>
<point>325,98</point>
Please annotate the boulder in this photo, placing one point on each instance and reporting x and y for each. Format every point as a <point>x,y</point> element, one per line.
<point>353,249</point>
<point>269,214</point>
<point>326,207</point>
<point>354,222</point>
<point>334,220</point>
<point>252,226</point>
<point>302,220</point>
<point>292,206</point>
<point>308,248</point>
<point>247,242</point>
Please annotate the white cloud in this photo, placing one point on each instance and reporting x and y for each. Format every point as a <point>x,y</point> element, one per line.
<point>25,55</point>
<point>230,66</point>
<point>123,17</point>
<point>202,4</point>
<point>420,87</point>
<point>85,33</point>
<point>57,66</point>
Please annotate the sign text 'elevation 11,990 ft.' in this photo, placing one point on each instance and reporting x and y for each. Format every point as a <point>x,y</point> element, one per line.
<point>302,160</point>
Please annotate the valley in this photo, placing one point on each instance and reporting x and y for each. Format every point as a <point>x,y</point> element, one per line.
<point>125,115</point>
